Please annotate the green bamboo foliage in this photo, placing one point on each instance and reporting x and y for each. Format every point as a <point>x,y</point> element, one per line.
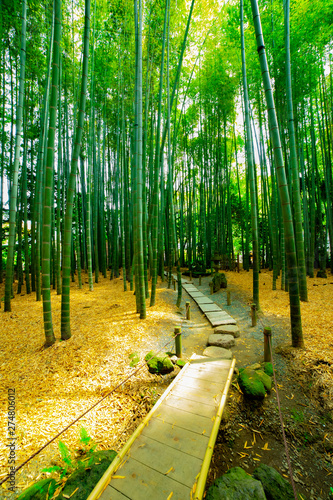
<point>294,165</point>
<point>251,168</point>
<point>14,183</point>
<point>295,310</point>
<point>48,184</point>
<point>66,267</point>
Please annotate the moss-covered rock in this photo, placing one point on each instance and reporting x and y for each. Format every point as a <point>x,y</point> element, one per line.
<point>180,363</point>
<point>85,478</point>
<point>89,469</point>
<point>236,484</point>
<point>39,491</point>
<point>275,486</point>
<point>268,369</point>
<point>251,384</point>
<point>161,364</point>
<point>265,379</point>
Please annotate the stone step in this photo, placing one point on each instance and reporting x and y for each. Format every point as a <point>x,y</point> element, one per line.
<point>217,352</point>
<point>227,329</point>
<point>219,340</point>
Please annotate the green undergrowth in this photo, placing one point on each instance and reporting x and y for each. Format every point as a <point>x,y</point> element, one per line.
<point>73,478</point>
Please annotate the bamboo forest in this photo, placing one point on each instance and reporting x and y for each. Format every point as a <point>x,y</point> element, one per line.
<point>153,153</point>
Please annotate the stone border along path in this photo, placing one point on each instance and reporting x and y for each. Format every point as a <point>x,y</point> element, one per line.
<point>226,329</point>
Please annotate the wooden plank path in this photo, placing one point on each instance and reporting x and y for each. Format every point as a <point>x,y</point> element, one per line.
<point>168,456</point>
<point>215,315</point>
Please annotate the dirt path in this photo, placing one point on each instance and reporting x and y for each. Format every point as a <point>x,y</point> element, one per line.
<point>251,432</point>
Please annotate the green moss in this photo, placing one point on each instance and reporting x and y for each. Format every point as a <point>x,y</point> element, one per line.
<point>159,364</point>
<point>181,363</point>
<point>236,484</point>
<point>149,355</point>
<point>88,471</point>
<point>275,486</point>
<point>251,384</point>
<point>265,379</point>
<point>268,369</point>
<point>85,478</point>
<point>38,491</point>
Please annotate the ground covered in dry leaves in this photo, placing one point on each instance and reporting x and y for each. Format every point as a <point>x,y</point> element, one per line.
<point>251,433</point>
<point>54,386</point>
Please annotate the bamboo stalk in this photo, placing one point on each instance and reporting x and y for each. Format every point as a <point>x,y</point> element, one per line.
<point>200,487</point>
<point>253,315</point>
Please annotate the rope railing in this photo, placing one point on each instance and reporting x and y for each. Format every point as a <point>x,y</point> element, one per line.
<point>268,339</point>
<point>175,335</point>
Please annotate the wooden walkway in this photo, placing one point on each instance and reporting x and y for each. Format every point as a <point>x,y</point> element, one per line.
<point>215,315</point>
<point>169,454</point>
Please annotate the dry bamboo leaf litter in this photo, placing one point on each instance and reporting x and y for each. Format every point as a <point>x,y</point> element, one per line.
<point>54,386</point>
<point>317,315</point>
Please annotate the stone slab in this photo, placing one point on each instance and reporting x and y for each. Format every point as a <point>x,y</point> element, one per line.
<point>222,318</point>
<point>210,308</point>
<point>219,340</point>
<point>196,295</point>
<point>217,352</point>
<point>227,329</point>
<point>203,300</point>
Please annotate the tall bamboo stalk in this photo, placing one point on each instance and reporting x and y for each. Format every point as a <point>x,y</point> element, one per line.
<point>295,309</point>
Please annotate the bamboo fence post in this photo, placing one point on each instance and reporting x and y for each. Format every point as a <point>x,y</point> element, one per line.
<point>211,287</point>
<point>228,298</point>
<point>267,338</point>
<point>188,310</point>
<point>178,341</point>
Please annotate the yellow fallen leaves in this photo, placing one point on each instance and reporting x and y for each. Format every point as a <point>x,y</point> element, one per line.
<point>317,314</point>
<point>54,386</point>
<point>170,470</point>
<point>265,448</point>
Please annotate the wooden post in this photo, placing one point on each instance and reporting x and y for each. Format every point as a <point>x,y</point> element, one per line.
<point>253,315</point>
<point>200,280</point>
<point>174,284</point>
<point>267,340</point>
<point>178,341</point>
<point>188,310</point>
<point>211,287</point>
<point>238,262</point>
<point>228,298</point>
<point>190,275</point>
